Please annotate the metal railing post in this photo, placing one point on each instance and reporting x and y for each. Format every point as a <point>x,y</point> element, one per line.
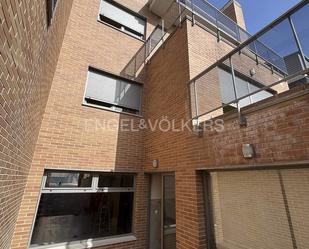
<point>149,45</point>
<point>192,10</point>
<point>238,33</point>
<point>234,82</point>
<point>298,43</point>
<point>162,30</point>
<point>195,101</point>
<point>242,120</point>
<point>197,126</point>
<point>162,34</point>
<point>255,52</point>
<point>218,35</point>
<point>146,54</point>
<point>217,26</point>
<point>179,14</point>
<point>135,69</point>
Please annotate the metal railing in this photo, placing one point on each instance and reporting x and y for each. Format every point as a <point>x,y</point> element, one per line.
<point>223,23</point>
<point>221,87</point>
<point>303,73</point>
<point>155,39</point>
<point>143,53</point>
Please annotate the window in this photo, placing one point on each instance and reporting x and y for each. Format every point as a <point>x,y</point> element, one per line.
<point>122,18</point>
<point>50,9</point>
<point>112,92</point>
<point>258,208</point>
<point>78,206</point>
<point>113,180</point>
<point>243,87</point>
<point>71,179</point>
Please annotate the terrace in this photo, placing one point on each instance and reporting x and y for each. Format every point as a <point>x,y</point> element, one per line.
<point>264,46</point>
<point>280,54</point>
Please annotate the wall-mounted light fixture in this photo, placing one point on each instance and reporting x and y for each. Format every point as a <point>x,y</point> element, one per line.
<point>155,163</point>
<point>248,150</point>
<point>252,72</point>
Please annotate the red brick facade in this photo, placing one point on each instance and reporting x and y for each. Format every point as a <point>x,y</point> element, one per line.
<point>70,135</point>
<point>68,138</point>
<point>277,128</point>
<point>29,54</point>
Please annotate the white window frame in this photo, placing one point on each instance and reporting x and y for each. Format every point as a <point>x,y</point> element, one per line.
<point>87,243</point>
<point>123,28</point>
<point>112,109</point>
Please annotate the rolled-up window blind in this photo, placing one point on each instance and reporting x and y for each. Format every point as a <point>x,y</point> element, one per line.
<point>122,17</point>
<point>105,88</point>
<point>259,209</point>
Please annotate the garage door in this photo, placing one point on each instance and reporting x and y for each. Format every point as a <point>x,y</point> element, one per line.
<point>260,209</point>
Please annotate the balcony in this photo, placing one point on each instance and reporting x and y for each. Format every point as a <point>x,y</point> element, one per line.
<point>173,13</point>
<point>268,63</point>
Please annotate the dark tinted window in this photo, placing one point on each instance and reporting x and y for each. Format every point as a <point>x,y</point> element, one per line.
<point>72,217</point>
<point>116,180</point>
<point>169,214</point>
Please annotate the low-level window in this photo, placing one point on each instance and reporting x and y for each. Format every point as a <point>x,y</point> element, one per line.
<point>112,92</point>
<point>75,207</point>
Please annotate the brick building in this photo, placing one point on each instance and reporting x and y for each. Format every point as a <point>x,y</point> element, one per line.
<point>152,124</point>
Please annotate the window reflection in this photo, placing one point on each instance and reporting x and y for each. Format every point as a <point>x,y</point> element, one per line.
<point>68,179</point>
<point>72,217</point>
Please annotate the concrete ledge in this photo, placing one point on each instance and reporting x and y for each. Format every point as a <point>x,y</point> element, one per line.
<point>286,96</point>
<point>258,166</point>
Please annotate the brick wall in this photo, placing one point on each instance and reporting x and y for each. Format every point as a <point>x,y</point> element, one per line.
<point>73,136</point>
<point>234,11</point>
<point>220,148</point>
<point>278,130</point>
<point>166,97</point>
<point>29,54</point>
<point>277,127</point>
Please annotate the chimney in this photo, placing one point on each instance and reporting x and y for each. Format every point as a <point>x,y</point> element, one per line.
<point>234,11</point>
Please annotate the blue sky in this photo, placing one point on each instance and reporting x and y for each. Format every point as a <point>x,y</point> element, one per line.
<point>259,13</point>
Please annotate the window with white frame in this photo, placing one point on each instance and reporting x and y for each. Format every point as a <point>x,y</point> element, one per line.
<point>112,92</point>
<point>50,10</point>
<point>78,206</point>
<point>122,18</point>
